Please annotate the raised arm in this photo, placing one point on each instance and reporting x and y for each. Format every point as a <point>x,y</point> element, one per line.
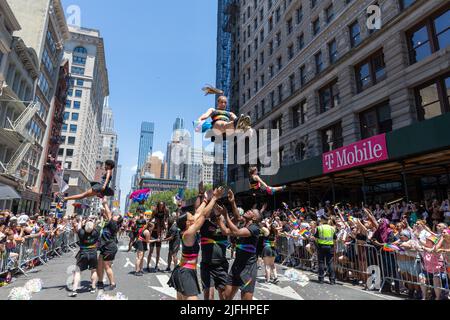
<point>107,214</point>
<point>206,115</point>
<point>217,194</point>
<point>108,177</point>
<point>235,231</point>
<point>234,207</point>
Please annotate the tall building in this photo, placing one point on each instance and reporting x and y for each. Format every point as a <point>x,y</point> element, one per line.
<point>45,30</point>
<point>199,168</point>
<point>318,74</point>
<point>145,143</point>
<point>84,108</point>
<point>228,10</point>
<point>176,153</point>
<point>179,124</point>
<point>153,167</point>
<point>19,142</point>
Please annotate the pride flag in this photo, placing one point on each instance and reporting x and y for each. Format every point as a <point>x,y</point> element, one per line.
<point>389,247</point>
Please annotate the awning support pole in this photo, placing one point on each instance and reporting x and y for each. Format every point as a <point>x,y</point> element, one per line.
<point>333,189</point>
<point>364,186</point>
<point>405,184</point>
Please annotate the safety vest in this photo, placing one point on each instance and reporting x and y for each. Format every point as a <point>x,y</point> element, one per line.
<point>326,235</point>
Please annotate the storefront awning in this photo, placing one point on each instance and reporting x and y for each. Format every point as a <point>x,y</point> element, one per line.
<point>8,193</point>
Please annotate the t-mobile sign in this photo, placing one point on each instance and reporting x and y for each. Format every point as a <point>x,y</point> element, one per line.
<point>357,154</point>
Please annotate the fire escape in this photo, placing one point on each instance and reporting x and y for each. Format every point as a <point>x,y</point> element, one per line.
<point>17,134</point>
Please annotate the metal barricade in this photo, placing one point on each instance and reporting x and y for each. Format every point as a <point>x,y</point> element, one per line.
<point>4,256</point>
<point>424,272</point>
<point>29,253</point>
<point>358,263</point>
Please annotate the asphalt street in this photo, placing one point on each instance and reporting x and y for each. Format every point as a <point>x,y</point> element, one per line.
<point>153,285</point>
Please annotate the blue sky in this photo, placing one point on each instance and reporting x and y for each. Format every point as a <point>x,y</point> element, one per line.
<point>159,55</point>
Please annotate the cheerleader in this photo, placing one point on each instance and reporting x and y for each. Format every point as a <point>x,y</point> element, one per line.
<point>258,185</point>
<point>184,276</point>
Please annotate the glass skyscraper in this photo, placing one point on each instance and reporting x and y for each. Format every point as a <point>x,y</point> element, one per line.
<point>146,142</point>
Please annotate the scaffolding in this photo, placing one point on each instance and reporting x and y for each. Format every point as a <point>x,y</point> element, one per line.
<point>226,22</point>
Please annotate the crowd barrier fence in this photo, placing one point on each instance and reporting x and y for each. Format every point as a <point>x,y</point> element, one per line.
<point>36,250</point>
<point>372,266</point>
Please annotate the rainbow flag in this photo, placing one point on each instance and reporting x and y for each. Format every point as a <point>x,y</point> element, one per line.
<point>302,210</point>
<point>47,244</point>
<point>434,239</point>
<point>389,247</point>
<point>305,232</point>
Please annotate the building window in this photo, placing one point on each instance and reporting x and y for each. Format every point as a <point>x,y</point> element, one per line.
<point>60,152</point>
<point>332,51</point>
<point>370,71</point>
<point>272,99</point>
<point>277,14</point>
<point>75,116</point>
<point>279,63</point>
<point>278,38</point>
<point>68,165</point>
<point>302,76</point>
<point>433,98</point>
<point>300,151</point>
<point>292,83</point>
<point>73,128</point>
<point>332,138</point>
<point>270,24</point>
<point>300,42</point>
<point>69,153</point>
<point>277,124</point>
<point>430,36</point>
<point>329,13</point>
<point>62,139</point>
<point>64,128</point>
<point>299,114</point>
<point>271,72</point>
<point>71,140</point>
<point>290,51</point>
<point>299,15</point>
<point>319,61</point>
<point>406,4</point>
<point>78,93</point>
<point>280,93</point>
<point>263,107</point>
<point>313,3</point>
<point>289,26</point>
<point>376,120</point>
<point>80,82</point>
<point>262,81</point>
<point>270,47</point>
<point>76,105</point>
<point>355,34</point>
<point>316,26</point>
<point>66,115</point>
<point>77,70</point>
<point>329,97</point>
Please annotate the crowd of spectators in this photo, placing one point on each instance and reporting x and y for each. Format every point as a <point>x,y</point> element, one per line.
<point>17,230</point>
<point>409,242</point>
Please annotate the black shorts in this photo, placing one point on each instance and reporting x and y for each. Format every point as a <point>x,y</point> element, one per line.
<point>140,246</point>
<point>185,281</point>
<point>108,252</point>
<point>214,275</point>
<point>97,187</point>
<point>86,260</point>
<point>259,248</point>
<point>154,236</point>
<point>269,252</point>
<point>244,276</point>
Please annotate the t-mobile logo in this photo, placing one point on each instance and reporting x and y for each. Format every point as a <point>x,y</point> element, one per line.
<point>374,18</point>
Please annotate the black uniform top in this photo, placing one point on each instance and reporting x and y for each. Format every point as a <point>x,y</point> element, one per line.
<point>246,247</point>
<point>175,232</point>
<point>109,232</point>
<point>214,244</point>
<point>88,241</point>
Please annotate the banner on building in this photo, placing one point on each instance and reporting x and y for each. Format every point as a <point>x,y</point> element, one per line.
<point>360,153</point>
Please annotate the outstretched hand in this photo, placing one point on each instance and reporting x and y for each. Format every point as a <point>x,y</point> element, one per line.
<point>230,195</point>
<point>218,193</point>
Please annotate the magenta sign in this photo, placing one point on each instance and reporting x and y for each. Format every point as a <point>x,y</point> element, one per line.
<point>357,154</point>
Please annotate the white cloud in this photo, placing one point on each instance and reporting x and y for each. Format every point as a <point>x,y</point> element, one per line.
<point>158,154</point>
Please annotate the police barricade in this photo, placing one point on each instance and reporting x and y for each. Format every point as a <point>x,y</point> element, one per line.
<point>4,256</point>
<point>420,272</point>
<point>358,263</point>
<point>29,253</point>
